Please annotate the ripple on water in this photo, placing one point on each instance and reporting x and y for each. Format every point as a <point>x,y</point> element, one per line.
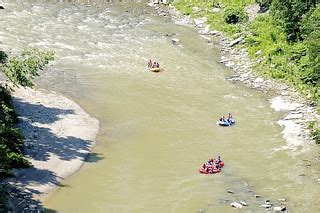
<point>164,123</point>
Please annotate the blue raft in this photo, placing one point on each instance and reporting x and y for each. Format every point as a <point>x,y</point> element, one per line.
<point>226,123</point>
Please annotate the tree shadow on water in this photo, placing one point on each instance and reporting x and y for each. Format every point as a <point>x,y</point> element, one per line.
<point>93,157</point>
<point>46,210</point>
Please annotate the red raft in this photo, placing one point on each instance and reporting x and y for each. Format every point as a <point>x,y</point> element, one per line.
<point>210,169</point>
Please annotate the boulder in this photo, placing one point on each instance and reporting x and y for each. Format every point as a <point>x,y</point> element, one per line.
<point>294,116</point>
<point>1,8</point>
<point>258,80</point>
<point>243,203</point>
<point>236,41</point>
<point>196,9</point>
<point>229,64</point>
<point>224,61</point>
<point>169,34</point>
<point>200,22</point>
<point>279,208</point>
<point>215,10</point>
<point>268,202</point>
<point>175,41</point>
<point>258,52</point>
<point>208,39</point>
<point>204,31</point>
<point>213,32</point>
<point>236,205</point>
<point>266,205</point>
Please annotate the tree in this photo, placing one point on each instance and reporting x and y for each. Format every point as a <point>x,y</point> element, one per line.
<point>310,31</point>
<point>289,13</point>
<point>22,69</point>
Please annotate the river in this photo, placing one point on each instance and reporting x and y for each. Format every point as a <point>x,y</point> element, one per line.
<point>157,128</point>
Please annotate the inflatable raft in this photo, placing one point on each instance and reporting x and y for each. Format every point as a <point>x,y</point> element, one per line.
<point>226,123</point>
<point>156,69</point>
<point>210,169</point>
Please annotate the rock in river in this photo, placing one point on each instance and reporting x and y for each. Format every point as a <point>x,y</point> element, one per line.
<point>243,203</point>
<point>175,41</point>
<point>236,205</point>
<point>266,205</point>
<point>279,208</point>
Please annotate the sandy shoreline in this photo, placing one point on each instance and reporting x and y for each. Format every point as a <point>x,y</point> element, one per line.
<point>58,136</point>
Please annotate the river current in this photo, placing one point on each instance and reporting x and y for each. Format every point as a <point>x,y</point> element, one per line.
<point>157,128</point>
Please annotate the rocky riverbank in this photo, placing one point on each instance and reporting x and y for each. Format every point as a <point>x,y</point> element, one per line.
<point>58,136</point>
<point>298,113</point>
<point>235,56</point>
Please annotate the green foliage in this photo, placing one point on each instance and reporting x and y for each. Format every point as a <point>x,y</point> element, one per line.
<point>289,14</point>
<point>216,21</point>
<point>11,137</point>
<point>310,23</point>
<point>310,31</point>
<point>297,63</point>
<point>3,57</point>
<point>4,196</point>
<point>311,63</point>
<point>22,69</point>
<point>11,142</point>
<point>267,37</point>
<point>288,38</point>
<point>185,8</point>
<point>315,132</point>
<point>233,15</point>
<point>7,114</point>
<point>316,135</point>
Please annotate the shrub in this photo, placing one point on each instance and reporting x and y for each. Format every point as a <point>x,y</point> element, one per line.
<point>316,135</point>
<point>233,15</point>
<point>11,137</point>
<point>289,14</point>
<point>310,22</point>
<point>17,160</point>
<point>311,33</point>
<point>3,57</point>
<point>22,69</point>
<point>11,141</point>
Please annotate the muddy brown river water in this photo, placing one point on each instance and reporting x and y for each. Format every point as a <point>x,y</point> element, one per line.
<point>157,128</point>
